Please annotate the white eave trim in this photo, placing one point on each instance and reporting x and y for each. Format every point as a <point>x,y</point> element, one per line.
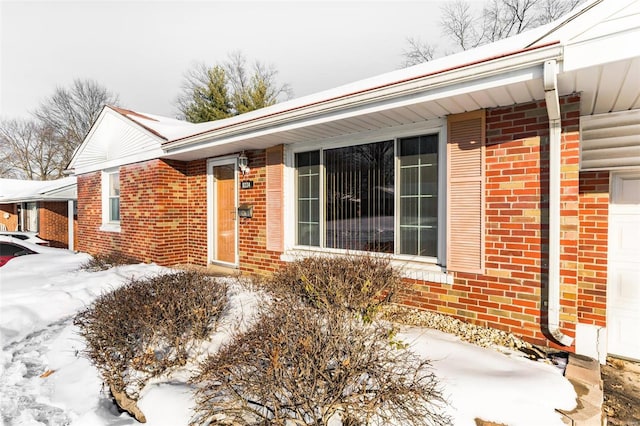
<point>331,108</point>
<point>121,161</point>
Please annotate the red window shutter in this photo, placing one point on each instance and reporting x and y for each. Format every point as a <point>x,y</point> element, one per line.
<point>465,192</point>
<point>275,178</point>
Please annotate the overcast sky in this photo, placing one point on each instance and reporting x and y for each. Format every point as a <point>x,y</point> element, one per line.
<point>141,50</point>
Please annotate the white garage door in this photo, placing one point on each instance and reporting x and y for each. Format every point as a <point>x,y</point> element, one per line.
<point>623,297</point>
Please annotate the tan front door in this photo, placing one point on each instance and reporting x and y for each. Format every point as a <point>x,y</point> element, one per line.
<point>224,208</point>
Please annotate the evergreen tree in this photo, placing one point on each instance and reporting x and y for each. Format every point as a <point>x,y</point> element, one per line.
<point>228,89</point>
<point>211,100</point>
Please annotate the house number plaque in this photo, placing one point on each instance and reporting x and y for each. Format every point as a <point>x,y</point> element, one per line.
<point>246,184</point>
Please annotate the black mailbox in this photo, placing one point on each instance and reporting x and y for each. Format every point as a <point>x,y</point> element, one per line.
<point>245,211</point>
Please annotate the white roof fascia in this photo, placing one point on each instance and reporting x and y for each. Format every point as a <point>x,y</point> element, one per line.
<point>50,191</point>
<point>460,80</point>
<point>35,198</point>
<point>69,192</point>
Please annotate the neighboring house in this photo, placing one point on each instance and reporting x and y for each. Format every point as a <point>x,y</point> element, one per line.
<point>45,207</point>
<point>504,180</point>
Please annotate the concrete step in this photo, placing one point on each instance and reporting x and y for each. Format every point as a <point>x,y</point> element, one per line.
<point>584,373</point>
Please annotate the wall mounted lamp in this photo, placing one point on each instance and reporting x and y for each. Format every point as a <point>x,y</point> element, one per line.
<point>243,163</point>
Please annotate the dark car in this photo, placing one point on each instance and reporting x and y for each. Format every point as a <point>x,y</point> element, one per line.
<point>11,249</point>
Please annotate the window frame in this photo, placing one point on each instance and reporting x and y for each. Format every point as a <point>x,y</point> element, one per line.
<point>321,204</point>
<point>398,195</point>
<point>108,224</point>
<point>437,127</point>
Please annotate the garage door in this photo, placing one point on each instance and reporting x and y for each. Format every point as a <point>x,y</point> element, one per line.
<point>623,297</point>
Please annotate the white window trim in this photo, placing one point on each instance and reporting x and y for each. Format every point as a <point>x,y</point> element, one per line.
<point>415,267</point>
<point>107,224</point>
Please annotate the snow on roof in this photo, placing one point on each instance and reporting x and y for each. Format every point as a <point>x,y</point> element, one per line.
<point>14,190</point>
<point>165,127</point>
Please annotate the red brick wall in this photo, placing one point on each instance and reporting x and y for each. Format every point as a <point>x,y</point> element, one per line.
<point>163,213</point>
<point>508,295</point>
<point>153,203</point>
<point>254,256</point>
<point>54,223</point>
<point>197,212</point>
<point>592,248</point>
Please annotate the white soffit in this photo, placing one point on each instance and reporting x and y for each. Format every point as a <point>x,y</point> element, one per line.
<point>115,140</point>
<point>610,141</point>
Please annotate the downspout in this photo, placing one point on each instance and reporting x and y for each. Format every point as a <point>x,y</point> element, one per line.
<point>553,111</point>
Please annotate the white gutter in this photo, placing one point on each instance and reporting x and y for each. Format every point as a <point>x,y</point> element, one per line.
<point>553,112</point>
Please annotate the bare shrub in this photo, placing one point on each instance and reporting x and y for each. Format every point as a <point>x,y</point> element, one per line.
<point>355,283</point>
<point>147,326</point>
<point>299,365</point>
<point>102,262</point>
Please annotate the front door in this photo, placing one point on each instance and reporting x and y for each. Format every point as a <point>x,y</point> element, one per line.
<point>223,238</point>
<point>623,296</point>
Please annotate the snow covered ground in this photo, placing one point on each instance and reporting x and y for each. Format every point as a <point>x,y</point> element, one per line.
<point>45,380</point>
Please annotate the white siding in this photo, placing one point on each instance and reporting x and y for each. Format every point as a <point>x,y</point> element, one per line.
<point>610,141</point>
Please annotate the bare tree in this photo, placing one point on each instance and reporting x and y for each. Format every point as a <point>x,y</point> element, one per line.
<point>253,89</point>
<point>228,88</point>
<point>71,112</point>
<point>417,52</point>
<point>41,148</point>
<point>29,150</point>
<point>459,24</point>
<point>550,10</point>
<point>498,19</point>
<point>504,18</point>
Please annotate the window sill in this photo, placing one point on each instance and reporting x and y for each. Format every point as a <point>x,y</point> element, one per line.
<point>110,227</point>
<point>417,269</point>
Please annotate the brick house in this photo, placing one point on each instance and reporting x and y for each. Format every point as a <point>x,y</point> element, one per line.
<point>44,207</point>
<point>504,181</point>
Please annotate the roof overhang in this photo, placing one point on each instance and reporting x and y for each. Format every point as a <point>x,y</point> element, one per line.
<point>505,80</point>
<point>60,193</point>
<point>596,50</point>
